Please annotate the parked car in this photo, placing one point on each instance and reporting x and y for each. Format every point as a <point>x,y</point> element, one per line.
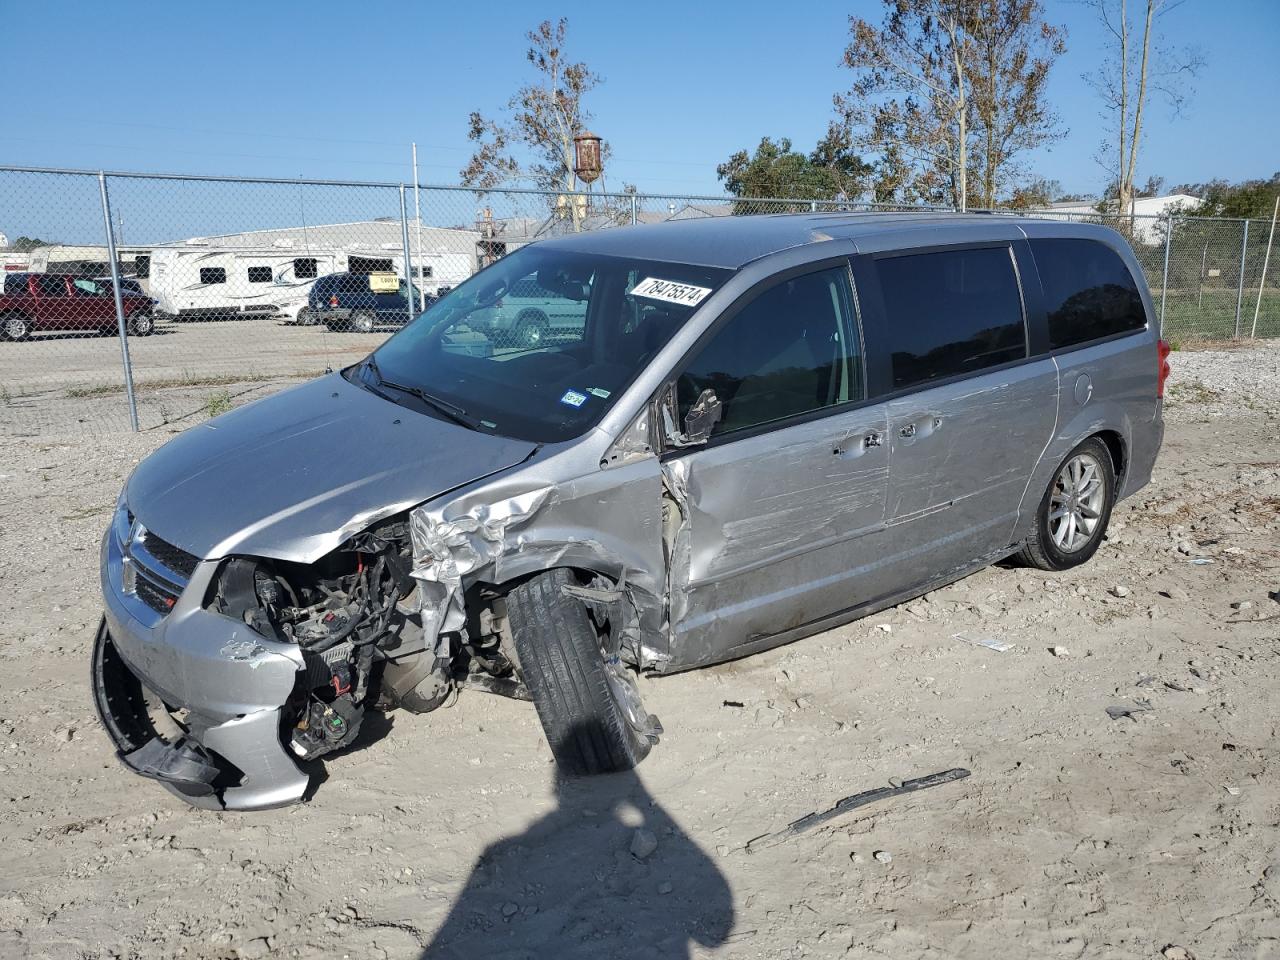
<point>348,301</point>
<point>47,302</point>
<point>127,285</point>
<point>527,315</point>
<point>767,426</point>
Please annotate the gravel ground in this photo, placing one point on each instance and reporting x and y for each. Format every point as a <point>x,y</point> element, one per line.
<point>1077,835</point>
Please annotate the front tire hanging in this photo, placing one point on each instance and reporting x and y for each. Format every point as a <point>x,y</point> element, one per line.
<point>587,704</point>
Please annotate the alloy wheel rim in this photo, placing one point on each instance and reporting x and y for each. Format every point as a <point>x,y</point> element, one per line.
<point>14,327</point>
<point>1076,503</point>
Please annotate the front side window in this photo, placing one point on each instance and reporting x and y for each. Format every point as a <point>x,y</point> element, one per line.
<point>543,370</point>
<point>791,350</point>
<point>1089,292</point>
<point>213,275</point>
<point>259,274</point>
<point>951,313</point>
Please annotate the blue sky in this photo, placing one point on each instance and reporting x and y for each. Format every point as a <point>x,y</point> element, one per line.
<point>327,89</point>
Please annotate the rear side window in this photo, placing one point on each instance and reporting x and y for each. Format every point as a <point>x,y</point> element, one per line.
<point>259,274</point>
<point>213,275</point>
<point>950,313</point>
<point>1089,292</point>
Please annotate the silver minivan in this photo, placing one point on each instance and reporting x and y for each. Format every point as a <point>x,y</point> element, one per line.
<point>763,427</point>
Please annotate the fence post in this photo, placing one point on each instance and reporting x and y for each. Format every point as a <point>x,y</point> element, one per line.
<point>634,210</point>
<point>1244,248</point>
<point>121,328</point>
<point>813,206</point>
<point>408,262</point>
<point>1164,285</point>
<point>1266,262</point>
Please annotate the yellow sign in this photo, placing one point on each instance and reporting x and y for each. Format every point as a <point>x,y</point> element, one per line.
<point>384,282</point>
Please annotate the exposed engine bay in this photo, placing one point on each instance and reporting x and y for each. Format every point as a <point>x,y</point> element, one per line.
<point>352,615</point>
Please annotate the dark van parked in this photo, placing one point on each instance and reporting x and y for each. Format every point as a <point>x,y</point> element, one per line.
<point>759,428</point>
<point>351,301</point>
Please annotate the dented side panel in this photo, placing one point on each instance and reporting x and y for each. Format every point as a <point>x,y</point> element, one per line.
<point>962,456</point>
<point>607,520</point>
<point>778,529</point>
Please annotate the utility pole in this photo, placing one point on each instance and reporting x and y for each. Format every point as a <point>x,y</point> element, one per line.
<point>417,216</point>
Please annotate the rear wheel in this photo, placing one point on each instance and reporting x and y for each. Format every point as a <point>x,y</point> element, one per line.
<point>1075,510</point>
<point>15,327</point>
<point>141,325</point>
<point>586,698</point>
<point>362,321</point>
<point>306,317</point>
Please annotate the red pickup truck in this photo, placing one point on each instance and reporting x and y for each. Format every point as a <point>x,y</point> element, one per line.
<point>35,302</point>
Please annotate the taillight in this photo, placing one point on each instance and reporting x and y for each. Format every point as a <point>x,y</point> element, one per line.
<point>1162,374</point>
<point>333,302</point>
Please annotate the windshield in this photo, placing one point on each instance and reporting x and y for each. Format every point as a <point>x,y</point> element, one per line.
<point>539,345</point>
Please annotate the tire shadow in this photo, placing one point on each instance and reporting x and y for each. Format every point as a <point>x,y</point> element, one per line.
<point>571,887</point>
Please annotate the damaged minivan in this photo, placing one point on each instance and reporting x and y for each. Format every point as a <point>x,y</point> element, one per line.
<point>761,427</point>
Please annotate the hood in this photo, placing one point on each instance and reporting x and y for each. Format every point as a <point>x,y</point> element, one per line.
<point>293,475</point>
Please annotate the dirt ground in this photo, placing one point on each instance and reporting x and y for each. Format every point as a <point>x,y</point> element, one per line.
<point>1077,835</point>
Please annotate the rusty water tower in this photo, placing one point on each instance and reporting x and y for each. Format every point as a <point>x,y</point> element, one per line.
<point>587,161</point>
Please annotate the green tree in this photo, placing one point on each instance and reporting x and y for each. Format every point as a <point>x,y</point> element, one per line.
<point>950,94</point>
<point>1247,199</point>
<point>830,172</point>
<point>28,243</point>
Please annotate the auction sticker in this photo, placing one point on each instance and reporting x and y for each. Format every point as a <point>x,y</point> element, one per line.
<point>669,291</point>
<point>573,398</point>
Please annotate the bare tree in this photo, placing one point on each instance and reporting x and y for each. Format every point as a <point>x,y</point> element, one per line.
<point>951,93</point>
<point>909,93</point>
<point>534,143</point>
<point>1012,49</point>
<point>1135,66</point>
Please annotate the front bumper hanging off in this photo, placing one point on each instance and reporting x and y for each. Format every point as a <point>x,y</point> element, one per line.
<point>236,763</point>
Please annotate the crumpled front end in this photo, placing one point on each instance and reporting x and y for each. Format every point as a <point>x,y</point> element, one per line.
<point>190,697</point>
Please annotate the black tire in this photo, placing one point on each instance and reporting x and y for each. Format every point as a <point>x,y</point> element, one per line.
<point>1042,551</point>
<point>363,321</point>
<point>306,318</point>
<point>141,325</point>
<point>531,330</point>
<point>15,326</point>
<point>564,668</point>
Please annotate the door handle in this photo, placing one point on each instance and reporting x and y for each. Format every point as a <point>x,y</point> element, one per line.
<point>908,431</point>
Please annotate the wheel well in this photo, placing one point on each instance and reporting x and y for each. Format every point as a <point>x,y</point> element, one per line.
<point>1115,446</point>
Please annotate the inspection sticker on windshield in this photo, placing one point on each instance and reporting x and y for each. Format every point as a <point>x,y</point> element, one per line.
<point>573,398</point>
<point>671,292</point>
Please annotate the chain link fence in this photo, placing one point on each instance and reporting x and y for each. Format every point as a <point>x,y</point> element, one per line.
<point>137,301</point>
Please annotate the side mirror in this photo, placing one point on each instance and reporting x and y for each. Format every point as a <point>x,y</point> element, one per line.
<point>702,417</point>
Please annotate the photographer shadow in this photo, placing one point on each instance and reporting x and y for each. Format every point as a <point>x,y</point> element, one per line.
<point>581,883</point>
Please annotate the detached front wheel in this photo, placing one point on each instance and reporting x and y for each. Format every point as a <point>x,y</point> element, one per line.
<point>585,696</point>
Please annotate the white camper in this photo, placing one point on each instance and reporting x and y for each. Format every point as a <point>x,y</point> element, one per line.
<point>194,280</point>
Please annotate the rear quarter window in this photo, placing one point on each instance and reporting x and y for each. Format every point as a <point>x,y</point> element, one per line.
<point>1089,292</point>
